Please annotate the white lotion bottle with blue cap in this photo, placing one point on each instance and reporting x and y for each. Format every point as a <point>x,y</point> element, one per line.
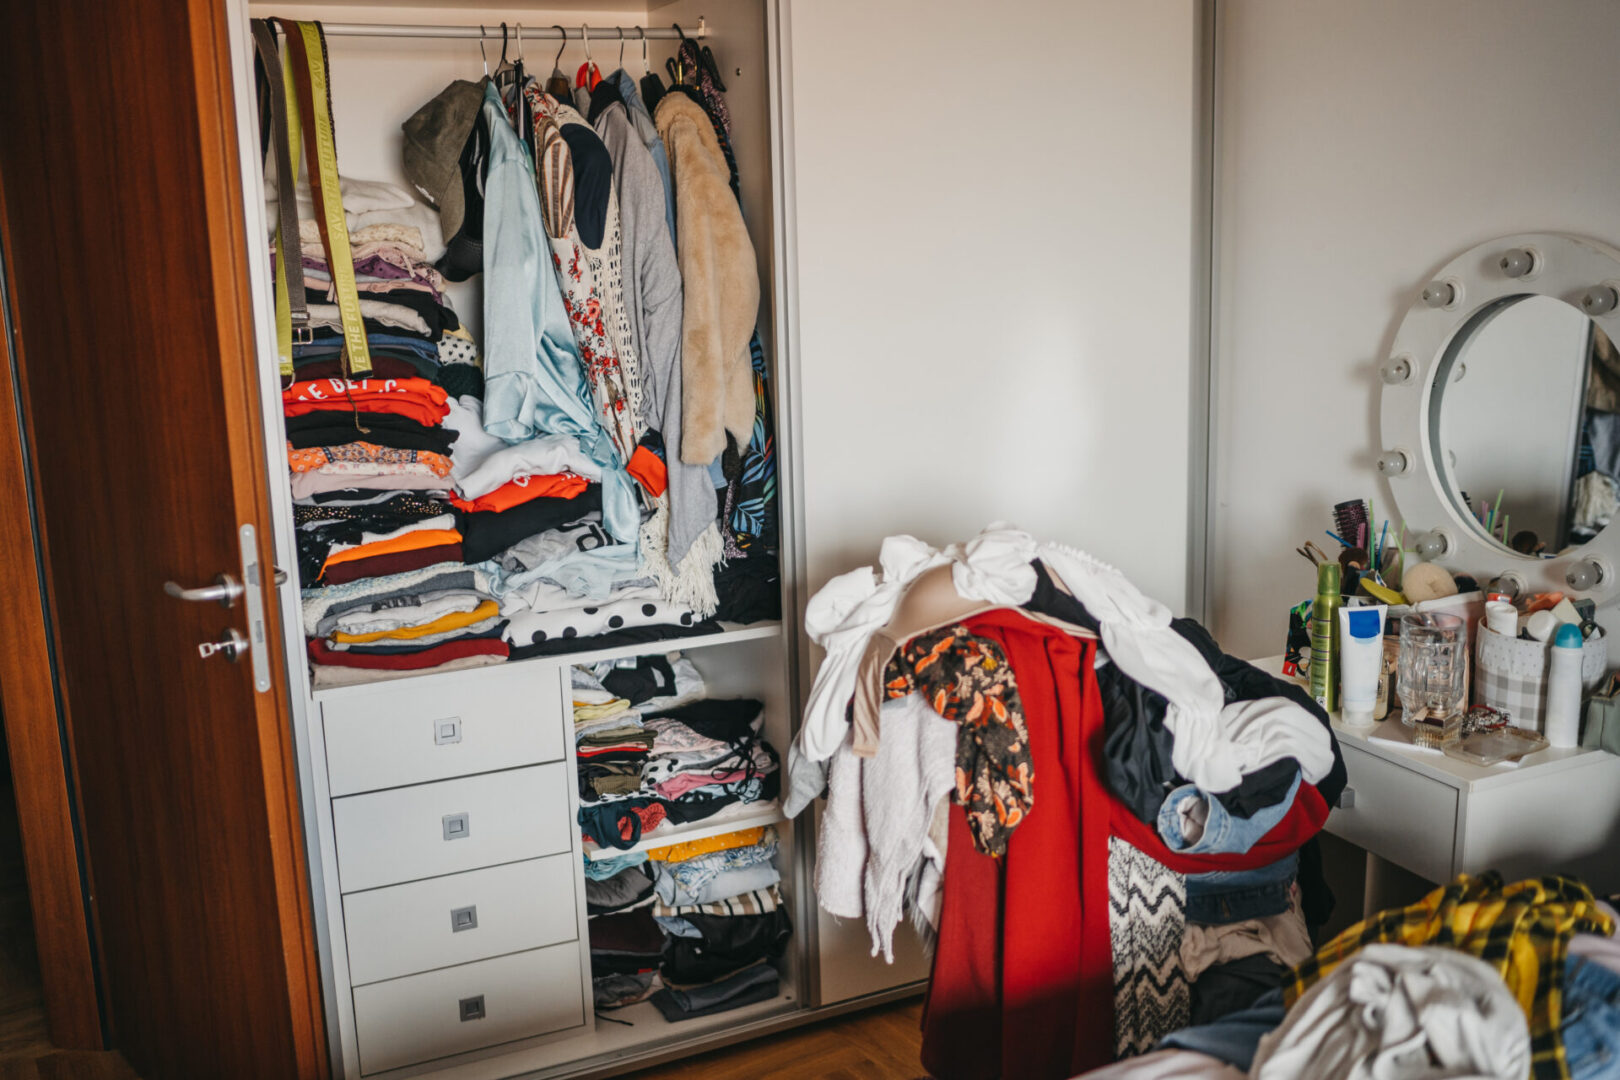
<point>1361,653</point>
<point>1563,724</point>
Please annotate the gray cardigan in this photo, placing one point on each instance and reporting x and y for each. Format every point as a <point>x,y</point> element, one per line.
<point>652,295</point>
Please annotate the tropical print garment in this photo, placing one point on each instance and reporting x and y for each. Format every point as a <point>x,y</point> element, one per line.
<point>966,679</point>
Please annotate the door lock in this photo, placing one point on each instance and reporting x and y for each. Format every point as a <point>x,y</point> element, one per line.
<point>233,646</point>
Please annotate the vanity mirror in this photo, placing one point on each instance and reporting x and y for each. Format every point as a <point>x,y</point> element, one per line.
<point>1500,414</point>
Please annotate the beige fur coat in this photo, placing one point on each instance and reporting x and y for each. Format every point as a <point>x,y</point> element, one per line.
<point>721,283</point>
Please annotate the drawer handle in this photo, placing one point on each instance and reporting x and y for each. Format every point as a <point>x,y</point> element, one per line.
<point>472,1008</point>
<point>464,918</point>
<point>1347,798</point>
<point>456,826</point>
<point>446,732</point>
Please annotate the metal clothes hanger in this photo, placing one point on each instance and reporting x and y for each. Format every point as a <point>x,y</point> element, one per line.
<point>652,87</point>
<point>557,84</point>
<point>482,33</point>
<point>505,73</point>
<point>589,74</point>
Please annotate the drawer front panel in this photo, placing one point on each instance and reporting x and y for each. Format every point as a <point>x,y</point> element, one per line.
<point>1399,815</point>
<point>456,919</point>
<point>433,1015</point>
<point>405,834</point>
<point>434,729</point>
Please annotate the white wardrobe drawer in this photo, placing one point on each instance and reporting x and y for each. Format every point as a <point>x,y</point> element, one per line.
<point>459,918</point>
<point>420,832</point>
<point>433,729</point>
<point>453,1010</point>
<point>1405,817</point>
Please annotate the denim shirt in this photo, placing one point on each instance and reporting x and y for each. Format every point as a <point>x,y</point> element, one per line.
<point>1229,896</point>
<point>1223,832</point>
<point>534,382</point>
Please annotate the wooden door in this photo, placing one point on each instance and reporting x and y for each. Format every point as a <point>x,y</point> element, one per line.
<point>126,258</point>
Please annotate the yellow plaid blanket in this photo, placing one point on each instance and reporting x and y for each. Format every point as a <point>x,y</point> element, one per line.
<point>1522,930</point>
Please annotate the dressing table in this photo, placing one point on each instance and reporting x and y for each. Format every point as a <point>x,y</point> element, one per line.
<point>1499,448</point>
<point>1555,811</point>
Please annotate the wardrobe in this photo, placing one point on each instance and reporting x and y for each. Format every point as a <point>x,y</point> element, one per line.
<point>445,863</point>
<point>370,880</point>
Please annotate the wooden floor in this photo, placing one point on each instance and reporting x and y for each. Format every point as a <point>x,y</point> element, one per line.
<point>881,1044</point>
<point>25,1051</point>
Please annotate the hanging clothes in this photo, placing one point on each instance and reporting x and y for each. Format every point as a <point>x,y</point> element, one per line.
<point>721,282</point>
<point>653,301</point>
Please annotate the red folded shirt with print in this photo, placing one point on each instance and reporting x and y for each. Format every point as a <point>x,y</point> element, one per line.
<point>417,399</point>
<point>522,489</point>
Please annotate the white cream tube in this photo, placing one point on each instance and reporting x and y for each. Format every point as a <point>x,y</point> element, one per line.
<point>1361,653</point>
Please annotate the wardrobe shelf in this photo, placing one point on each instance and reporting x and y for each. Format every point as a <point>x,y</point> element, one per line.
<point>731,635</point>
<point>769,813</point>
<point>644,1026</point>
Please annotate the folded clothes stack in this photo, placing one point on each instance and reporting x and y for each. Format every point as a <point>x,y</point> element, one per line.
<point>693,925</point>
<point>381,550</point>
<point>703,762</point>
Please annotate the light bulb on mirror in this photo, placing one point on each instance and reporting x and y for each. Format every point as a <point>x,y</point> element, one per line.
<point>1586,575</point>
<point>1508,583</point>
<point>1517,262</point>
<point>1600,299</point>
<point>1396,370</point>
<point>1432,545</point>
<point>1394,463</point>
<point>1439,294</point>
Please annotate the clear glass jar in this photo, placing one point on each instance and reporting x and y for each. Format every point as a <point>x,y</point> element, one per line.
<point>1431,676</point>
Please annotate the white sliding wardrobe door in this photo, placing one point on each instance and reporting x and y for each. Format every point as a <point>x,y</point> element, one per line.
<point>994,212</point>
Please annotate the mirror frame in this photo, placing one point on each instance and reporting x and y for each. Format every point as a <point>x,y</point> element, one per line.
<point>1565,268</point>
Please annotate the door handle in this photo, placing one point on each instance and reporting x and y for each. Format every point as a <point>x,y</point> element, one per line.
<point>225,590</point>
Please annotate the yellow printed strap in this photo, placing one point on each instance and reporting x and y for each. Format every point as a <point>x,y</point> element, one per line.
<point>306,55</point>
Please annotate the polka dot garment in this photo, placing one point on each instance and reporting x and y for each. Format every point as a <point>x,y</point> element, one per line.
<point>533,627</point>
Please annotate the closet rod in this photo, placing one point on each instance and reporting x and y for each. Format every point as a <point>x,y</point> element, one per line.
<point>603,35</point>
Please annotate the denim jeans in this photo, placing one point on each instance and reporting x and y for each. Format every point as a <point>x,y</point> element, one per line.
<point>1223,832</point>
<point>1228,896</point>
<point>1591,1021</point>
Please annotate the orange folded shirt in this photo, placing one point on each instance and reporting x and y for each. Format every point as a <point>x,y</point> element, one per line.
<point>417,399</point>
<point>521,490</point>
<point>411,541</point>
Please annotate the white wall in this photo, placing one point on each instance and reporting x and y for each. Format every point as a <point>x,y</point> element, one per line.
<point>1361,146</point>
<point>995,260</point>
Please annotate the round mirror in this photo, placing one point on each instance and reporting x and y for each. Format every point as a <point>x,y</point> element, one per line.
<point>1499,413</point>
<point>1525,424</point>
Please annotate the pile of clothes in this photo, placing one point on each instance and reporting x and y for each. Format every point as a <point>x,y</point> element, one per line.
<point>693,925</point>
<point>1085,806</point>
<point>653,750</point>
<point>1477,979</point>
<point>601,472</point>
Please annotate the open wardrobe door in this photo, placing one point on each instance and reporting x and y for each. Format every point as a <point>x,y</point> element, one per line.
<point>126,262</point>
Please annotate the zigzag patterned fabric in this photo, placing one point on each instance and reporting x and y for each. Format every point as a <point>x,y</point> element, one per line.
<point>1147,918</point>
